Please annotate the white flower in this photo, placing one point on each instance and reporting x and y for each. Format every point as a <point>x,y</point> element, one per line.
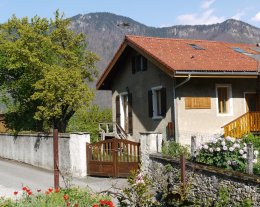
<point>236,145</point>
<point>228,138</point>
<point>229,162</point>
<point>244,156</point>
<point>211,150</point>
<point>231,149</point>
<point>223,143</point>
<point>205,147</point>
<point>217,149</point>
<point>225,148</point>
<point>241,151</point>
<point>214,141</point>
<point>244,144</point>
<point>245,149</point>
<point>254,161</point>
<point>232,139</point>
<point>256,152</point>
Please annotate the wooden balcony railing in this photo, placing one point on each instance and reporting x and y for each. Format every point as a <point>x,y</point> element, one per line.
<point>248,122</point>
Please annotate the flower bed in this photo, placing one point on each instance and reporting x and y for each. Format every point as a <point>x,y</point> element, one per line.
<point>74,197</point>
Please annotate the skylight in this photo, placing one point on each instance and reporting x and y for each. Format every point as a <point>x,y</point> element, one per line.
<point>196,47</point>
<point>238,49</point>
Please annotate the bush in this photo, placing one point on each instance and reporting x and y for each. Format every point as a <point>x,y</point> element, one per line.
<point>88,120</point>
<point>226,153</point>
<point>174,149</point>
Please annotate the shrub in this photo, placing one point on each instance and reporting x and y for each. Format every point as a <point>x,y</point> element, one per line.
<point>88,120</point>
<point>226,153</point>
<point>174,149</point>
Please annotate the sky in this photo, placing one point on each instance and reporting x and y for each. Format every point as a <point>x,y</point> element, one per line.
<point>149,12</point>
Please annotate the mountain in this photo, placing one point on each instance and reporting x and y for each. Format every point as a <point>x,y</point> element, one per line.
<point>105,32</point>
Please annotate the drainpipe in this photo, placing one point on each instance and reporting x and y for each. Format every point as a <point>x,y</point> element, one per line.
<point>175,103</point>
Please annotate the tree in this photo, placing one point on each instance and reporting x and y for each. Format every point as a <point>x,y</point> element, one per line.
<point>44,69</point>
<point>87,120</point>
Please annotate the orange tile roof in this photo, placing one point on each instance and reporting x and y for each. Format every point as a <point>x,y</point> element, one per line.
<point>178,55</point>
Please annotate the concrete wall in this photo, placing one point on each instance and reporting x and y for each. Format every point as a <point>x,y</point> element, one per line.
<point>139,84</point>
<point>206,123</point>
<point>37,150</point>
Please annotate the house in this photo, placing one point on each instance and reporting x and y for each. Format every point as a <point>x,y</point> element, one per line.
<point>184,87</point>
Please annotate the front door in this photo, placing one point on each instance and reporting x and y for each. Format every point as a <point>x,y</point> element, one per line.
<point>124,118</point>
<point>252,102</point>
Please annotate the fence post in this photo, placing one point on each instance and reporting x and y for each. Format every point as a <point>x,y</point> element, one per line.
<point>183,168</point>
<point>193,147</point>
<point>250,157</point>
<point>56,158</point>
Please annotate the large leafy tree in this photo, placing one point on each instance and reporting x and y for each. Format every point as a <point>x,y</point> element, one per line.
<point>44,70</point>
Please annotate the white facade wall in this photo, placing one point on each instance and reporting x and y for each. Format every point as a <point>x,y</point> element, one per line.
<point>207,123</point>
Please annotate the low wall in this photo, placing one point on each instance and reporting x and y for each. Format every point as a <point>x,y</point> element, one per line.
<point>206,181</point>
<point>37,150</point>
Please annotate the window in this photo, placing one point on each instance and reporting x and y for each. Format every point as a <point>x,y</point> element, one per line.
<point>224,100</point>
<point>157,102</point>
<point>139,63</point>
<point>196,47</point>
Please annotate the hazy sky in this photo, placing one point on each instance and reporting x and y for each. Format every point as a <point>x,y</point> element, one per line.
<point>150,12</point>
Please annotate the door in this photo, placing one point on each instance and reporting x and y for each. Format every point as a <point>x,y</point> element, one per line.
<point>124,118</point>
<point>252,102</point>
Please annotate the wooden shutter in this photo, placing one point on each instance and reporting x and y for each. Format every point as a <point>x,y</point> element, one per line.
<point>163,101</point>
<point>144,66</point>
<point>197,103</point>
<point>130,114</point>
<point>133,65</point>
<point>150,103</point>
<point>118,110</point>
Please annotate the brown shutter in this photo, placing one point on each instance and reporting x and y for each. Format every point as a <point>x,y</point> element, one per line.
<point>118,110</point>
<point>163,101</point>
<point>197,102</point>
<point>144,64</point>
<point>150,103</point>
<point>130,114</point>
<point>133,64</point>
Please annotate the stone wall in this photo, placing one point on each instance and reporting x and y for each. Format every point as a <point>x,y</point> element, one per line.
<point>205,181</point>
<point>37,150</point>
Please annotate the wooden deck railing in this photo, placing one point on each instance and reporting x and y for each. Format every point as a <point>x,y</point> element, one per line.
<point>248,122</point>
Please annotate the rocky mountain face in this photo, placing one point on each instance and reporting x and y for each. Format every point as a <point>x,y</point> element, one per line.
<point>105,32</point>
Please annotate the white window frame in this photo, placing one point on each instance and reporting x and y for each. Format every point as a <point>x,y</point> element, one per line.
<point>230,99</point>
<point>155,112</point>
<point>122,114</point>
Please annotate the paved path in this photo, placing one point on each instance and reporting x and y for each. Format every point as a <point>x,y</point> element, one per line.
<point>15,175</point>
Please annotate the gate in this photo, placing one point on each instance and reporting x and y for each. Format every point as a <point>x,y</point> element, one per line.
<point>113,157</point>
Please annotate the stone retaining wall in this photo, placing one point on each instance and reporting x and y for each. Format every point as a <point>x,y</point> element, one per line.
<point>205,181</point>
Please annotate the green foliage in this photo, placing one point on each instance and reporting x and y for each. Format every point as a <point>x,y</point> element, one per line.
<point>174,149</point>
<point>87,120</point>
<point>255,140</point>
<point>44,67</point>
<point>138,193</point>
<point>225,153</point>
<point>223,197</point>
<point>54,197</point>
